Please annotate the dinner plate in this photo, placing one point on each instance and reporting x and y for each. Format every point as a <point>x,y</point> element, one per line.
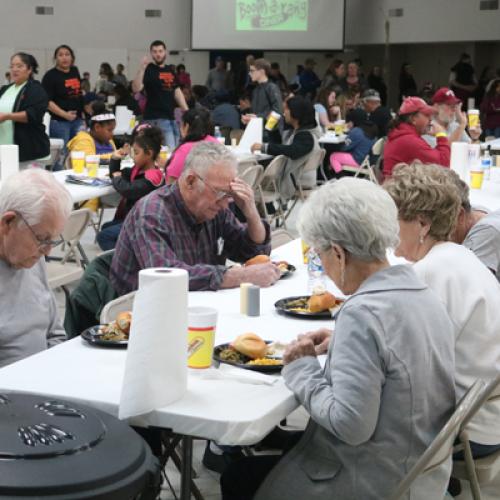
<point>255,368</point>
<point>288,271</point>
<point>92,336</point>
<point>283,307</point>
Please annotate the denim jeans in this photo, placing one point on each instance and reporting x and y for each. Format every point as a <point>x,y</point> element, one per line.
<point>493,131</point>
<point>65,131</point>
<point>108,235</point>
<point>169,129</point>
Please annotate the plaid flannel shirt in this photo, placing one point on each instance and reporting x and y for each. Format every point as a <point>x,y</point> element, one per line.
<point>160,232</point>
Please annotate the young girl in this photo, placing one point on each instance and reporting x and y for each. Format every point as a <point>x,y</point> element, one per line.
<point>358,143</point>
<point>99,139</point>
<point>133,183</point>
<point>196,126</point>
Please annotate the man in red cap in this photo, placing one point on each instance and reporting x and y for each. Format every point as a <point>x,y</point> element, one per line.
<point>449,114</point>
<point>405,143</point>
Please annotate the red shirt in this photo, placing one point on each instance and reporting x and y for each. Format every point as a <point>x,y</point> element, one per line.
<point>404,145</point>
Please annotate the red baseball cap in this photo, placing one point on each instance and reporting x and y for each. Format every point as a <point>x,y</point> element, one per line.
<point>444,95</point>
<point>415,105</point>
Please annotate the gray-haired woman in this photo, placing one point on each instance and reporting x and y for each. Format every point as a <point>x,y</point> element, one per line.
<point>387,386</point>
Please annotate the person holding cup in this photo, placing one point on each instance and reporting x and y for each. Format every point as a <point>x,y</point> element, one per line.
<point>449,115</point>
<point>299,113</point>
<point>266,98</point>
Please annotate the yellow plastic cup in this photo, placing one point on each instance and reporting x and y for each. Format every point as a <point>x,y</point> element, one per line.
<point>92,162</point>
<point>305,249</point>
<point>272,120</point>
<point>339,127</point>
<point>164,151</point>
<point>476,179</point>
<point>473,116</point>
<point>78,161</point>
<point>201,336</point>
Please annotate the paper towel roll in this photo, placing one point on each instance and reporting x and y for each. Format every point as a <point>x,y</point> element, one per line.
<point>459,161</point>
<point>156,366</point>
<point>9,160</point>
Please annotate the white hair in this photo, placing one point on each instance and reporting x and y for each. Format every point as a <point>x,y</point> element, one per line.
<point>34,193</point>
<point>355,214</point>
<point>206,154</point>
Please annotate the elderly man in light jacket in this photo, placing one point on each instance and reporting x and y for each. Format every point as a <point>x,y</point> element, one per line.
<point>387,387</point>
<point>33,210</point>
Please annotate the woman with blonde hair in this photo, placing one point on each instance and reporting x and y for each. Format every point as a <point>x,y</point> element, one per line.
<point>428,202</point>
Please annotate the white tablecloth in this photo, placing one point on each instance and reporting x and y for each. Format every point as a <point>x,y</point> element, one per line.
<point>83,193</point>
<point>227,411</point>
<point>488,196</point>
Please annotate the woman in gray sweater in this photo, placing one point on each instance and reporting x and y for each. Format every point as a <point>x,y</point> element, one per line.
<point>387,386</point>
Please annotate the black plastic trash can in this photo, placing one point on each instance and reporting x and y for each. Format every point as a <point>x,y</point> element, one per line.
<point>55,449</point>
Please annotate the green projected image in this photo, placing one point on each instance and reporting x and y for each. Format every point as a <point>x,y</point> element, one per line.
<point>271,15</point>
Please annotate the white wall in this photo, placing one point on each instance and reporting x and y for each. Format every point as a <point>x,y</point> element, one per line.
<point>423,21</point>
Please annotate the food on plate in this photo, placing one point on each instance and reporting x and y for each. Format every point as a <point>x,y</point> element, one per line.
<point>276,349</point>
<point>232,356</point>
<point>321,302</point>
<point>265,362</point>
<point>250,345</point>
<point>282,265</point>
<point>258,259</point>
<point>117,330</point>
<point>123,321</point>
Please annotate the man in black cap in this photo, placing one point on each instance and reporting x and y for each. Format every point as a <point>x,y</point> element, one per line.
<point>377,114</point>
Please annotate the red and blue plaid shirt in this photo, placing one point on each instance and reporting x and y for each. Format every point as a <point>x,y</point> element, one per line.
<point>160,232</point>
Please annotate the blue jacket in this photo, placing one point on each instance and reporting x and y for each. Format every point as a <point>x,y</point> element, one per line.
<point>358,144</point>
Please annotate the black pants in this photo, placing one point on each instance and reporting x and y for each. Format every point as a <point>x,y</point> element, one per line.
<point>241,480</point>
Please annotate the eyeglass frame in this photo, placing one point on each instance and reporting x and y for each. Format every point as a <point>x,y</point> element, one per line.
<point>41,243</point>
<point>219,194</point>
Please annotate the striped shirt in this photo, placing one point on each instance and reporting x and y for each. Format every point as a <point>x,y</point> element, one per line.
<point>160,232</point>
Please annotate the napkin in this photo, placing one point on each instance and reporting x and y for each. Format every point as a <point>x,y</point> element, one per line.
<point>253,134</point>
<point>228,372</point>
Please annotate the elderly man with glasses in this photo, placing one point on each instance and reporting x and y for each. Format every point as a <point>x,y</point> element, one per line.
<point>33,210</point>
<point>189,225</point>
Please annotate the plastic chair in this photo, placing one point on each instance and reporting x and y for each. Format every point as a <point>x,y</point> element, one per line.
<point>280,237</point>
<point>252,175</point>
<point>441,447</point>
<point>366,168</point>
<point>111,310</point>
<point>243,164</point>
<point>267,191</point>
<point>477,470</point>
<point>70,268</point>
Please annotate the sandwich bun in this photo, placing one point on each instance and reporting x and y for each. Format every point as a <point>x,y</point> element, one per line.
<point>123,321</point>
<point>258,259</point>
<point>250,345</point>
<point>321,302</point>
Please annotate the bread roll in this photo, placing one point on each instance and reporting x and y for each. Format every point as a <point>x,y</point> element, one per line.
<point>123,321</point>
<point>250,345</point>
<point>321,302</point>
<point>258,259</point>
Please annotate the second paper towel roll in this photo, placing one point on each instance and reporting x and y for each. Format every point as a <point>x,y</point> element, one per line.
<point>156,366</point>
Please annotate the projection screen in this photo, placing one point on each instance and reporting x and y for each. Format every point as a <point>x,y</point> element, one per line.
<point>267,24</point>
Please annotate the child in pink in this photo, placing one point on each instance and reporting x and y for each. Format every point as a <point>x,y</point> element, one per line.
<point>196,126</point>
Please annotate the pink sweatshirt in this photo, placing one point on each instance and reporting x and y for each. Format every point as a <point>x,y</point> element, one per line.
<point>176,165</point>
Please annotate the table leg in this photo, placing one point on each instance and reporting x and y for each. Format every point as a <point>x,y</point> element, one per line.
<point>186,467</point>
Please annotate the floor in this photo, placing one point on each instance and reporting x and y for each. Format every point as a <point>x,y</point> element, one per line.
<point>208,481</point>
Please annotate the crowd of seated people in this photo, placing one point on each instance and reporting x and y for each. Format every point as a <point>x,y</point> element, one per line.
<point>373,409</point>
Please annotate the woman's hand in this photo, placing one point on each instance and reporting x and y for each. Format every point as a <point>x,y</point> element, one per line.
<point>4,117</point>
<point>320,338</point>
<point>299,348</point>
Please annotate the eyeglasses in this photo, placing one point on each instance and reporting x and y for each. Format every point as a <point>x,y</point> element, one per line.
<point>42,244</point>
<point>219,194</point>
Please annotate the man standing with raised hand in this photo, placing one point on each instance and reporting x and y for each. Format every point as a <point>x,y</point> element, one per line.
<point>159,83</point>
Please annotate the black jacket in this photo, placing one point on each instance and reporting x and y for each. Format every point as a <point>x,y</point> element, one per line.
<point>31,137</point>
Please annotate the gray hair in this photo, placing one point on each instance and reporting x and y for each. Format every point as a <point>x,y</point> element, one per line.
<point>355,214</point>
<point>204,155</point>
<point>33,193</point>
